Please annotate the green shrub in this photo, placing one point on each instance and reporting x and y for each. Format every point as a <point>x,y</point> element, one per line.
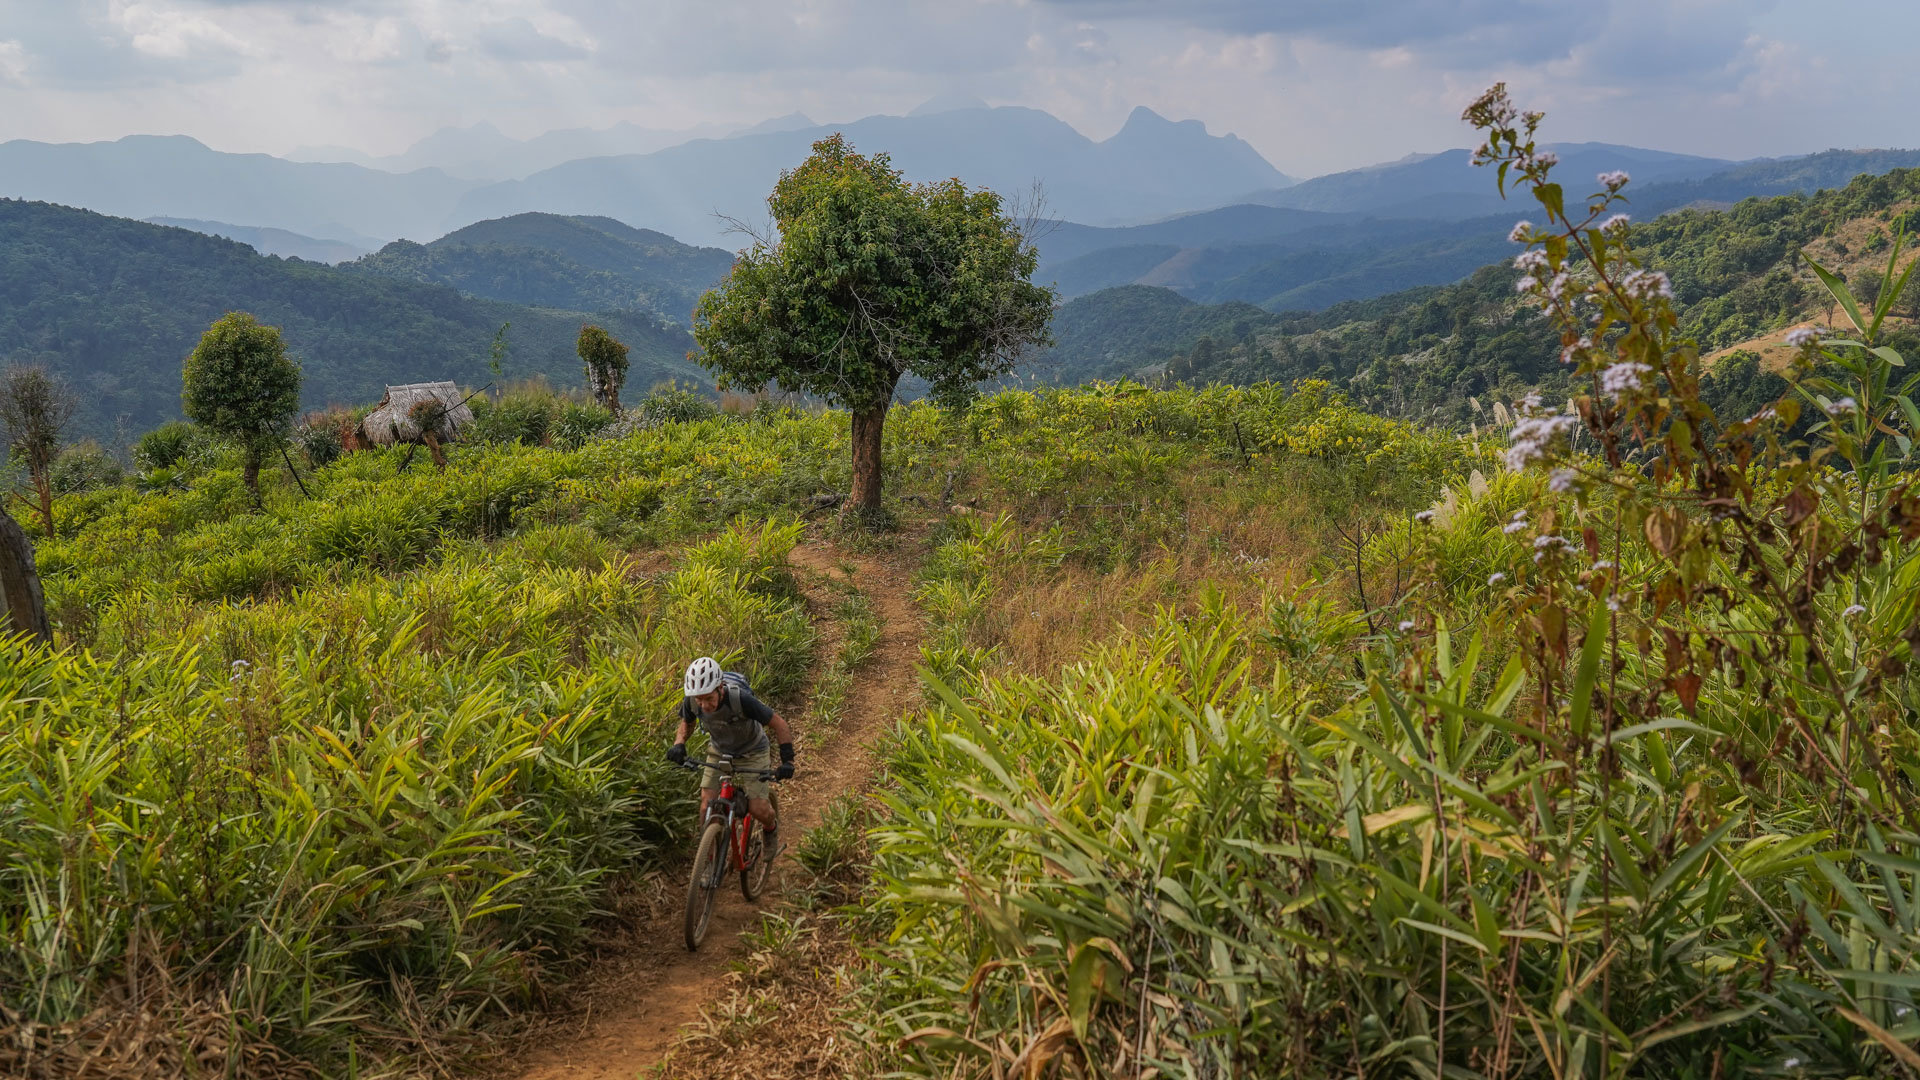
<point>84,466</point>
<point>387,531</point>
<point>320,441</point>
<point>523,416</point>
<point>672,404</point>
<point>575,424</point>
<point>168,445</point>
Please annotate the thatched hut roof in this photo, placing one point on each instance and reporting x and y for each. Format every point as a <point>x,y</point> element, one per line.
<point>396,419</point>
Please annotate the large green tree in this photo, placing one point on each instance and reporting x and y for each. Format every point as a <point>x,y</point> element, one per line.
<point>240,383</point>
<point>871,278</point>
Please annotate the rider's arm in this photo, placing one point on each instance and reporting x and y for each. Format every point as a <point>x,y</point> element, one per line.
<point>686,729</point>
<point>777,727</point>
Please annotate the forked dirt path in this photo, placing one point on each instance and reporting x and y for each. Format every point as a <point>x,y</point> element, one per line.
<point>640,998</point>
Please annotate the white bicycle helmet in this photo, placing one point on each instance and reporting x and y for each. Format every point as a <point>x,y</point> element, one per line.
<point>703,677</point>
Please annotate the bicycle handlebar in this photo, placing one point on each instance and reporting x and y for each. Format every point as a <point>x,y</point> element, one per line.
<point>727,766</point>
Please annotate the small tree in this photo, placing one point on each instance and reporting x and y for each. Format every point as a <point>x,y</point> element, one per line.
<point>35,406</point>
<point>240,384</point>
<point>869,279</point>
<point>606,361</point>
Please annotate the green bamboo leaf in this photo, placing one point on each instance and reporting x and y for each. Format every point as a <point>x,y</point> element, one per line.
<point>1857,904</point>
<point>1460,936</point>
<point>1486,921</point>
<point>1492,720</point>
<point>1589,671</point>
<point>1838,290</point>
<point>1686,861</point>
<point>1665,723</point>
<point>1890,290</point>
<point>1692,1027</point>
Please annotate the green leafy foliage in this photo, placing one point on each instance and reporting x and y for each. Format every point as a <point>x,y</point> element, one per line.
<point>239,384</point>
<point>605,359</point>
<point>871,279</point>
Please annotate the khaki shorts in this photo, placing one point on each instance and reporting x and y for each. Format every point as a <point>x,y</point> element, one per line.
<point>747,776</point>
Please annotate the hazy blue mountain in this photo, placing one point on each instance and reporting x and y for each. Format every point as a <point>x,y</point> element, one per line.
<point>1448,186</point>
<point>483,152</point>
<point>287,245</point>
<point>578,263</point>
<point>143,176</point>
<point>1262,254</point>
<point>1239,224</point>
<point>114,305</point>
<point>793,121</point>
<point>1151,168</point>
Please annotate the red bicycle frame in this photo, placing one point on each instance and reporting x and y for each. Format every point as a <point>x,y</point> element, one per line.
<point>739,825</point>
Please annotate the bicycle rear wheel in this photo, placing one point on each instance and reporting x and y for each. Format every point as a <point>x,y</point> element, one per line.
<point>703,882</point>
<point>753,880</point>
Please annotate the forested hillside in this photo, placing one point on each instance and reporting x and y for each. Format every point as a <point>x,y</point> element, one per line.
<point>1427,351</point>
<point>548,260</point>
<point>1376,231</point>
<point>113,305</point>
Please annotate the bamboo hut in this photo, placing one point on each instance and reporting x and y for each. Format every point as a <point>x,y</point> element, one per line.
<point>425,414</point>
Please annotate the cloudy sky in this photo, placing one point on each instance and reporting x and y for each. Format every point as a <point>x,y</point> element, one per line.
<point>1315,85</point>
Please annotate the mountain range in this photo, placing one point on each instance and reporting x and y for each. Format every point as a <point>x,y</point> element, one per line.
<point>113,305</point>
<point>1391,227</point>
<point>1448,186</point>
<point>1151,168</point>
<point>484,152</point>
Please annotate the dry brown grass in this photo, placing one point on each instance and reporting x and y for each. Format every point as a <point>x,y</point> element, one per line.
<point>1241,542</point>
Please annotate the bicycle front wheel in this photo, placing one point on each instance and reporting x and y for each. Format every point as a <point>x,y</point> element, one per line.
<point>702,883</point>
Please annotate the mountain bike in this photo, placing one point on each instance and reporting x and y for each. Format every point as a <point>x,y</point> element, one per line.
<point>731,839</point>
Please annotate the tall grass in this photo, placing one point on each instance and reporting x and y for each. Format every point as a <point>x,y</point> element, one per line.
<point>363,819</point>
<point>346,778</point>
<point>1619,783</point>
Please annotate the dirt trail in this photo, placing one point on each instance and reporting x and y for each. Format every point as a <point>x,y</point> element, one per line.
<point>640,998</point>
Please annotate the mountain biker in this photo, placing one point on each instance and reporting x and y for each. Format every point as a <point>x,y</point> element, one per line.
<point>736,724</point>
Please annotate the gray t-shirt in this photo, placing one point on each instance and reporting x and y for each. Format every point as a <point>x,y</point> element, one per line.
<point>738,727</point>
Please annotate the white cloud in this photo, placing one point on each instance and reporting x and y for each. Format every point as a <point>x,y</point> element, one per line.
<point>1316,86</point>
<point>13,63</point>
<point>174,34</point>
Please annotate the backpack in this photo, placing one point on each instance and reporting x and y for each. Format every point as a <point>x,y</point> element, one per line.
<point>735,683</point>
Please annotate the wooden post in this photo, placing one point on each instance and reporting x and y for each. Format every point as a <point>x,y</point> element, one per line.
<point>26,608</point>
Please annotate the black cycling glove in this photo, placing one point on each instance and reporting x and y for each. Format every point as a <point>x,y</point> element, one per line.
<point>785,771</point>
<point>677,753</point>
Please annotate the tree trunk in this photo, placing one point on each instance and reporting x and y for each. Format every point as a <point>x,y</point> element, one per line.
<point>26,609</point>
<point>867,426</point>
<point>433,447</point>
<point>43,484</point>
<point>252,475</point>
